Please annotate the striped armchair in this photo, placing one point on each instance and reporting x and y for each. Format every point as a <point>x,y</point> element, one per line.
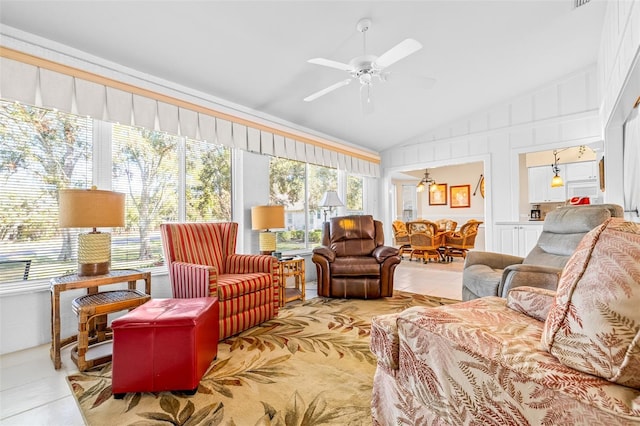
<point>201,261</point>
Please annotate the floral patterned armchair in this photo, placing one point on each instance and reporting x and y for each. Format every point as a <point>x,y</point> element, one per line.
<point>536,357</point>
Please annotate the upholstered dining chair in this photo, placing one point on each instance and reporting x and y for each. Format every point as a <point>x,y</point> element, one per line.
<point>458,243</point>
<point>446,225</point>
<point>401,236</point>
<point>353,261</point>
<point>425,240</point>
<point>202,261</point>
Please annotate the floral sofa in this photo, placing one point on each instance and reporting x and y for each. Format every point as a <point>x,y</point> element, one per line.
<point>570,357</point>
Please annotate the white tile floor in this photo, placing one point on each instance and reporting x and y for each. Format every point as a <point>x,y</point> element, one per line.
<point>32,393</point>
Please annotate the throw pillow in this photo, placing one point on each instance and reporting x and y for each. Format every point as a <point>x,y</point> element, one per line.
<point>594,323</point>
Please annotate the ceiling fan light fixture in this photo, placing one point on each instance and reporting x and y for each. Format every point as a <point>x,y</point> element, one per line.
<point>366,66</point>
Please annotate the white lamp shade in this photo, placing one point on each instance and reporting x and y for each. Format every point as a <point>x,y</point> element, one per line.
<point>331,199</point>
<point>267,217</point>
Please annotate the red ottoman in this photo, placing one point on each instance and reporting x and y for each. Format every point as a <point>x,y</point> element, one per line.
<point>165,344</point>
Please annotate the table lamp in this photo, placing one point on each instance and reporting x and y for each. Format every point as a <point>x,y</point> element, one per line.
<point>330,200</point>
<point>92,208</point>
<point>265,218</point>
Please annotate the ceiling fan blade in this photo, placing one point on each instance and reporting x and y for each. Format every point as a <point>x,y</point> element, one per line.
<point>326,90</point>
<point>399,51</point>
<point>331,64</point>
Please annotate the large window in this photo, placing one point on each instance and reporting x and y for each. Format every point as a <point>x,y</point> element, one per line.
<point>164,177</point>
<point>300,187</point>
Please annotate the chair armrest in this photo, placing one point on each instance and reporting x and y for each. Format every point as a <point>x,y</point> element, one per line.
<point>247,263</point>
<point>492,260</point>
<point>532,301</point>
<point>528,275</point>
<point>189,280</point>
<point>381,253</point>
<point>325,252</point>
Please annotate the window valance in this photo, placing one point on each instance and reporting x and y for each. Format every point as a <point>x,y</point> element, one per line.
<point>39,82</point>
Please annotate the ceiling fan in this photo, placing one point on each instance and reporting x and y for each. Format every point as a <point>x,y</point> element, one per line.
<point>366,67</point>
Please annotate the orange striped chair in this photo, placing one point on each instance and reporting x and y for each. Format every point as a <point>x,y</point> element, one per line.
<point>202,261</point>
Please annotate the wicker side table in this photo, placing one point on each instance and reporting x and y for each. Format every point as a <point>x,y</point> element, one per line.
<point>292,268</point>
<point>92,328</point>
<point>92,284</point>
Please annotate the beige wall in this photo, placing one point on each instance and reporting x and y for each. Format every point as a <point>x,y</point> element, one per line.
<point>463,174</point>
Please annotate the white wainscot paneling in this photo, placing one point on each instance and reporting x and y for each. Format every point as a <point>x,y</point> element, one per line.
<point>478,145</point>
<point>460,148</point>
<point>546,103</point>
<point>479,123</point>
<point>499,116</point>
<point>397,157</point>
<point>521,137</point>
<point>460,129</point>
<point>443,151</point>
<point>443,133</point>
<point>426,152</point>
<point>499,143</point>
<point>410,154</point>
<point>522,110</point>
<point>578,129</point>
<point>546,134</point>
<point>573,95</point>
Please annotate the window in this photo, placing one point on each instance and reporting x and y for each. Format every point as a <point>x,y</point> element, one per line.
<point>293,182</point>
<point>41,151</point>
<point>355,204</point>
<point>164,177</point>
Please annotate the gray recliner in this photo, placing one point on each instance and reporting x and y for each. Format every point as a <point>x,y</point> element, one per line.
<point>494,274</point>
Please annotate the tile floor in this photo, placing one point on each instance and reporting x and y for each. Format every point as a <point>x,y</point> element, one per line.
<point>33,393</point>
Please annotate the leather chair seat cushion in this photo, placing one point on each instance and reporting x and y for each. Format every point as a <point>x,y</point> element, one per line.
<point>355,266</point>
<point>482,280</point>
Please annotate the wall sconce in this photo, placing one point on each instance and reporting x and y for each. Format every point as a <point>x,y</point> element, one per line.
<point>427,181</point>
<point>265,218</point>
<point>556,181</point>
<point>330,200</point>
<point>92,208</point>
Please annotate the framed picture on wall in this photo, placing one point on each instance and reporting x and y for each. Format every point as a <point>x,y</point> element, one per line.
<point>460,196</point>
<point>438,196</point>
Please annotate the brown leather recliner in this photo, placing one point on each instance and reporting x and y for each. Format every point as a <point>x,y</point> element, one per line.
<point>353,261</point>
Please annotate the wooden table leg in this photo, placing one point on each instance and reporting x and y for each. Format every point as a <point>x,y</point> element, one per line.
<point>55,329</point>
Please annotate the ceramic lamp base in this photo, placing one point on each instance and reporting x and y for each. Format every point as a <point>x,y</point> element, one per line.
<point>94,253</point>
<point>267,242</point>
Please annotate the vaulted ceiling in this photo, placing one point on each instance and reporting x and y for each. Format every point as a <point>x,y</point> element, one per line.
<point>254,53</point>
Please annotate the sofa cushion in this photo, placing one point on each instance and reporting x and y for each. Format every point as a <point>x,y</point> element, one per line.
<point>594,323</point>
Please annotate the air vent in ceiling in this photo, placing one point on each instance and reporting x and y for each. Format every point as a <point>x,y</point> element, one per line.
<point>578,3</point>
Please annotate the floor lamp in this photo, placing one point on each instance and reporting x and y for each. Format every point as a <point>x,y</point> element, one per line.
<point>330,200</point>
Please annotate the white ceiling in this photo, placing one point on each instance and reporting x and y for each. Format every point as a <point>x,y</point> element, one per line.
<point>255,53</point>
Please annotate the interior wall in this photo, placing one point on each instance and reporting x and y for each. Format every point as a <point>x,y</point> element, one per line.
<point>561,114</point>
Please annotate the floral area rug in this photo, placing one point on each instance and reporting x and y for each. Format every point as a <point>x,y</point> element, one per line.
<point>309,366</point>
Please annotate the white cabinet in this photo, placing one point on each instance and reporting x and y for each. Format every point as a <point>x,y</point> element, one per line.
<point>586,170</point>
<point>517,239</point>
<point>540,190</point>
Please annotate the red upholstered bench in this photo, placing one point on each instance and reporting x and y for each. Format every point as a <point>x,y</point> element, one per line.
<point>163,345</point>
